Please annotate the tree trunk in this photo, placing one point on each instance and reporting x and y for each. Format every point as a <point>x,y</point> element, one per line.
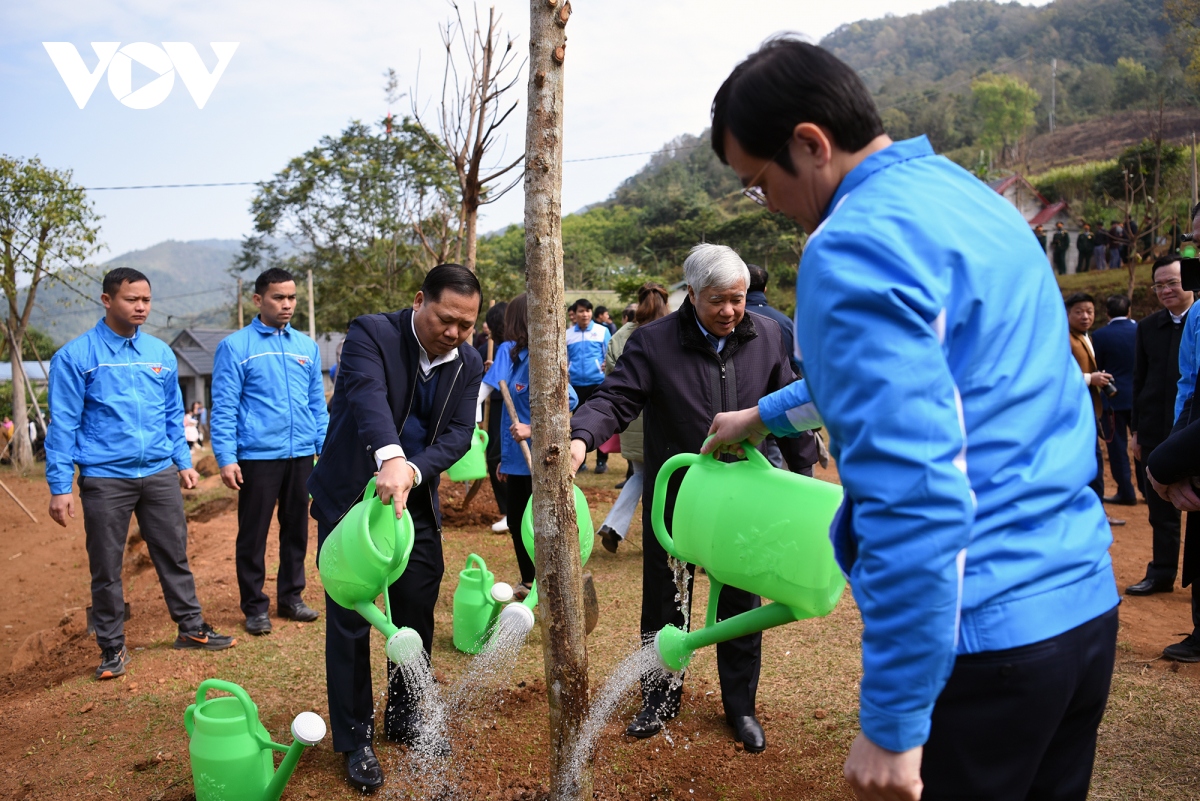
<point>472,220</point>
<point>21,450</point>
<point>559,573</point>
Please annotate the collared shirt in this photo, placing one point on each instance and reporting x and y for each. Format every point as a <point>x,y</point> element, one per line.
<point>426,364</point>
<point>718,343</point>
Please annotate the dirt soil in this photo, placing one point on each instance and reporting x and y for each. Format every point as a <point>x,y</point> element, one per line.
<point>1097,140</point>
<point>67,736</point>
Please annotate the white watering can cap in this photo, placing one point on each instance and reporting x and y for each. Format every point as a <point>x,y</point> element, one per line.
<point>502,592</point>
<point>308,728</point>
<point>518,612</point>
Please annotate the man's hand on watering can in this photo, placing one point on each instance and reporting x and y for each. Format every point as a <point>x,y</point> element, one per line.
<point>876,774</point>
<point>394,481</point>
<point>520,431</point>
<point>189,478</point>
<point>231,476</point>
<point>578,454</point>
<point>62,507</point>
<point>730,429</point>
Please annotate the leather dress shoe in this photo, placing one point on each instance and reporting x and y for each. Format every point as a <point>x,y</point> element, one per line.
<point>1149,586</point>
<point>749,732</point>
<point>258,625</point>
<point>1186,651</point>
<point>609,538</point>
<point>301,612</point>
<point>363,770</point>
<point>1118,501</point>
<point>647,723</point>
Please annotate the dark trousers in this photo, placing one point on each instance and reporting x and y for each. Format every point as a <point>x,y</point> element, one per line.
<point>1165,523</point>
<point>1097,483</point>
<point>107,506</point>
<point>1114,424</point>
<point>1060,262</point>
<point>498,489</point>
<point>348,636</point>
<point>1085,261</point>
<point>584,393</point>
<point>738,660</point>
<point>1021,723</point>
<point>265,482</point>
<point>520,490</point>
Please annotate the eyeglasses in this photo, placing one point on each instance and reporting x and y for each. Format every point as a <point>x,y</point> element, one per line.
<point>1175,284</point>
<point>753,190</point>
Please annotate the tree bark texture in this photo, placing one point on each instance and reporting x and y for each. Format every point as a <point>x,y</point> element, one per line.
<point>556,534</point>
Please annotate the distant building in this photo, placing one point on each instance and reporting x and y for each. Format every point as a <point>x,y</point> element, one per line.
<point>194,349</point>
<point>1037,210</point>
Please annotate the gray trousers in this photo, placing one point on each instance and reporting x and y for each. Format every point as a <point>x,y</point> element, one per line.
<point>107,505</point>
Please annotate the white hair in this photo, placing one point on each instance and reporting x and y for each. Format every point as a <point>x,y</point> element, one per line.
<point>715,266</point>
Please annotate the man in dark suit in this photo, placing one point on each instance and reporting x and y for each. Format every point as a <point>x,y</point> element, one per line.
<point>1115,345</point>
<point>403,409</point>
<point>1155,378</point>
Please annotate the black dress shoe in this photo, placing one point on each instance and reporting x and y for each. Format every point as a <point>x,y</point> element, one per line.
<point>1121,501</point>
<point>258,625</point>
<point>1149,586</point>
<point>301,612</point>
<point>749,732</point>
<point>609,539</point>
<point>647,723</point>
<point>1186,651</point>
<point>363,771</point>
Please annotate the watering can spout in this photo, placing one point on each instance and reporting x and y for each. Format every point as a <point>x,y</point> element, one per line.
<point>307,730</point>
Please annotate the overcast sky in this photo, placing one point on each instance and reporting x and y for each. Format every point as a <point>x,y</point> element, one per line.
<point>637,74</point>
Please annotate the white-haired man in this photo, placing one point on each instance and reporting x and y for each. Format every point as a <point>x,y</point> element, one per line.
<point>681,370</point>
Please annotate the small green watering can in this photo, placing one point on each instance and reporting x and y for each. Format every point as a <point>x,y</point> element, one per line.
<point>477,603</point>
<point>587,538</point>
<point>231,750</point>
<point>473,465</point>
<point>366,552</point>
<point>754,527</point>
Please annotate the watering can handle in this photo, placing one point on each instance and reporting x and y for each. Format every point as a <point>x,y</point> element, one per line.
<point>482,434</point>
<point>237,692</point>
<point>397,552</point>
<point>477,559</point>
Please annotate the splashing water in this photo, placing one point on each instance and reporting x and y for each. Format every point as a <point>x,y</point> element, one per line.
<point>430,767</point>
<point>643,662</point>
<point>683,594</point>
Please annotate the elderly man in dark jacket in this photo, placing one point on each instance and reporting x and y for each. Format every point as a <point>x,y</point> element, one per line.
<point>404,410</point>
<point>680,371</point>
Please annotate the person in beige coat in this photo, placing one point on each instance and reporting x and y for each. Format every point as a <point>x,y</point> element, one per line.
<point>652,304</point>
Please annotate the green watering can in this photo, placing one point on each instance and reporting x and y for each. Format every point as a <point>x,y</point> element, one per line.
<point>587,535</point>
<point>477,603</point>
<point>231,751</point>
<point>473,465</point>
<point>366,552</point>
<point>754,527</point>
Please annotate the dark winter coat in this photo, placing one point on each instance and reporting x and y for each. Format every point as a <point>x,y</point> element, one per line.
<point>669,370</point>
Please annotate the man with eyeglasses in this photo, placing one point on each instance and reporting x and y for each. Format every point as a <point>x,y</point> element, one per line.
<point>933,353</point>
<point>1155,379</point>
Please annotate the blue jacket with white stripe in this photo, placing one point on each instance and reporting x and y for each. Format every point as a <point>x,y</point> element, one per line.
<point>115,409</point>
<point>936,353</point>
<point>268,395</point>
<point>585,354</point>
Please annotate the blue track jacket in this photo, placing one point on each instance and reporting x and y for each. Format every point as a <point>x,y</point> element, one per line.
<point>585,354</point>
<point>1189,362</point>
<point>936,352</point>
<point>268,395</point>
<point>116,409</point>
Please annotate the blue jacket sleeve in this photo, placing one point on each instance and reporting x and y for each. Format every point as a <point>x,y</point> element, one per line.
<point>181,454</point>
<point>572,398</point>
<point>67,388</point>
<point>226,398</point>
<point>316,401</point>
<point>878,373</point>
<point>1187,363</point>
<point>790,410</point>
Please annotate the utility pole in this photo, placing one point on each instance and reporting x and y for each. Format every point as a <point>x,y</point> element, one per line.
<point>312,309</point>
<point>241,317</point>
<point>556,533</point>
<point>1053,82</point>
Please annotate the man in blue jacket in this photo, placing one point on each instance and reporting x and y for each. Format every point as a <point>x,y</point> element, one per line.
<point>1116,349</point>
<point>268,422</point>
<point>118,415</point>
<point>587,342</point>
<point>404,411</point>
<point>978,558</point>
